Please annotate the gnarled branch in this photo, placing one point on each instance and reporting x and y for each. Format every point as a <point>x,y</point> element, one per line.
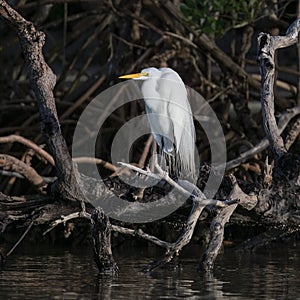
<point>267,45</point>
<point>42,81</point>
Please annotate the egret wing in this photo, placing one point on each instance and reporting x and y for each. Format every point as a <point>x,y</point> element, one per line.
<point>156,109</point>
<point>172,88</point>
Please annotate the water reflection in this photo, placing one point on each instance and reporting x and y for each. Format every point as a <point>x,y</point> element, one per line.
<point>271,274</point>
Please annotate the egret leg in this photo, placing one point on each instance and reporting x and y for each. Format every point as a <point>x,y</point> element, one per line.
<point>139,194</point>
<point>154,156</point>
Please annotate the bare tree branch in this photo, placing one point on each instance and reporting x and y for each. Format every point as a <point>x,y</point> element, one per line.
<point>198,197</point>
<point>8,162</point>
<point>16,138</point>
<point>293,134</point>
<point>42,81</point>
<point>262,145</point>
<point>267,45</point>
<point>217,226</point>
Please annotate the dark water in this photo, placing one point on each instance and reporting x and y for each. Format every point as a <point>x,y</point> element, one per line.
<point>273,273</point>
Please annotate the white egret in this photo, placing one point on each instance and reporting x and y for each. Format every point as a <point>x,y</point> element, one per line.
<point>170,116</point>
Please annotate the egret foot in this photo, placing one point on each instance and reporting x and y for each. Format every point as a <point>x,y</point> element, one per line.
<point>139,194</point>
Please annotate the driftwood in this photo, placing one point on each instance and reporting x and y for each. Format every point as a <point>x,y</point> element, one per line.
<point>65,201</point>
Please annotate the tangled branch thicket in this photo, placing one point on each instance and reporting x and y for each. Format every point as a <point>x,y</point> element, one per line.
<point>88,45</point>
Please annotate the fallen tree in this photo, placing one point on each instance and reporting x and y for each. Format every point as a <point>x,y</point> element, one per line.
<point>59,199</point>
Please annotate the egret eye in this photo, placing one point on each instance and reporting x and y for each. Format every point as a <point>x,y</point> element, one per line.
<point>145,74</point>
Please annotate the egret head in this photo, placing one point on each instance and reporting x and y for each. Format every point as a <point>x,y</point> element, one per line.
<point>143,75</point>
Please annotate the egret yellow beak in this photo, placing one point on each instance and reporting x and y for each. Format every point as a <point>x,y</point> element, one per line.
<point>135,75</point>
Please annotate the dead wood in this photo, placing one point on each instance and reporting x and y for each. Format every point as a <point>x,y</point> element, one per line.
<point>273,199</point>
<point>217,226</point>
<point>102,242</point>
<point>283,121</point>
<point>43,81</point>
<point>8,162</point>
<point>16,138</point>
<point>267,45</point>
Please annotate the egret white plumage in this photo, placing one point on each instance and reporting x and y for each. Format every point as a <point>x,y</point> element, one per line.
<point>170,116</point>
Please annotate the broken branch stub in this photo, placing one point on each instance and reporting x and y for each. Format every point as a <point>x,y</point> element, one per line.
<point>101,233</point>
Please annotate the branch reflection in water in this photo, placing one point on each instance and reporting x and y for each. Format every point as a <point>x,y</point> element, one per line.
<point>269,274</point>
